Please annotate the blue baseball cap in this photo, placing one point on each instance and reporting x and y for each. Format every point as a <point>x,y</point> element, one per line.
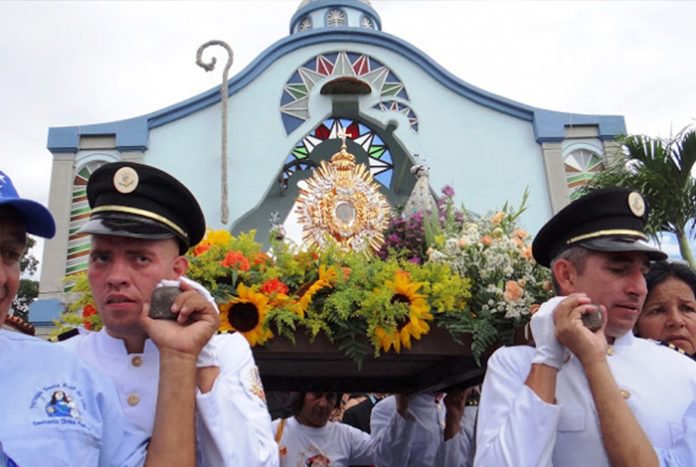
<point>37,218</point>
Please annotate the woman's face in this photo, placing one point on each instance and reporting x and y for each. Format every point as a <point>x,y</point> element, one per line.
<point>669,314</point>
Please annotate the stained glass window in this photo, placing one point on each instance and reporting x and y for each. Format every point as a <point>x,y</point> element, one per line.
<point>294,102</point>
<point>305,24</point>
<point>366,22</point>
<point>580,166</point>
<point>78,243</point>
<point>336,17</point>
<point>381,163</point>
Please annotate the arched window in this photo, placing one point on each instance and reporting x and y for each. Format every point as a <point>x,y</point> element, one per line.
<point>336,17</point>
<point>580,166</point>
<point>366,22</point>
<point>305,24</point>
<point>79,243</point>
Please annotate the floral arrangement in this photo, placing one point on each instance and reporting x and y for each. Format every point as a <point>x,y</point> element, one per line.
<point>470,275</point>
<point>507,285</point>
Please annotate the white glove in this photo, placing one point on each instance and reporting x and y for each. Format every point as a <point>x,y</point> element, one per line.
<point>208,355</point>
<point>548,350</point>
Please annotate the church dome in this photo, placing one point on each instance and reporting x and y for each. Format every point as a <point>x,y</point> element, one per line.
<point>321,14</point>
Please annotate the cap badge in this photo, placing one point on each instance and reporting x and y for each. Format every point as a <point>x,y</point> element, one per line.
<point>126,180</point>
<point>636,204</point>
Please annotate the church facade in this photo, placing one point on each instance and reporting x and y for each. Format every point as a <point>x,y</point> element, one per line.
<point>336,72</point>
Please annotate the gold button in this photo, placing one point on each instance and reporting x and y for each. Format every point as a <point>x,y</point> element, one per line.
<point>610,350</point>
<point>133,400</point>
<point>625,393</point>
<point>137,361</point>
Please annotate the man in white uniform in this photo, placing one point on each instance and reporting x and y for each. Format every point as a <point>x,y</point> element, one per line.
<point>425,430</point>
<point>57,411</point>
<point>142,222</point>
<point>536,407</point>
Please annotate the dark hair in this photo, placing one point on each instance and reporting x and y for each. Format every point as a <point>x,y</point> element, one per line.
<point>297,400</point>
<point>660,271</point>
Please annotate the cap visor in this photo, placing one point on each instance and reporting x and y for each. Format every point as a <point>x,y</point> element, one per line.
<point>624,244</point>
<point>37,218</point>
<point>97,227</point>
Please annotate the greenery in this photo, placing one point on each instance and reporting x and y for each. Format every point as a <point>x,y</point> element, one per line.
<point>473,276</point>
<point>28,288</point>
<point>662,171</point>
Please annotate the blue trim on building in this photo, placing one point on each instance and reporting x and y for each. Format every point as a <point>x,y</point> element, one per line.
<point>132,134</point>
<point>342,4</point>
<point>45,311</point>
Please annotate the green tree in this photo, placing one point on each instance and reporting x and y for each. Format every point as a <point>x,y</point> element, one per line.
<point>661,171</point>
<point>28,289</point>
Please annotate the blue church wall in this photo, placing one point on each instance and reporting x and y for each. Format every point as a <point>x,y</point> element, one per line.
<point>488,156</point>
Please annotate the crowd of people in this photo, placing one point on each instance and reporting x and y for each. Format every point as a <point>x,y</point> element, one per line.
<point>146,391</point>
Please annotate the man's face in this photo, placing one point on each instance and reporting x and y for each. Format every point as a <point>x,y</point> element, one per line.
<point>615,280</point>
<point>122,274</point>
<point>317,408</point>
<point>13,238</point>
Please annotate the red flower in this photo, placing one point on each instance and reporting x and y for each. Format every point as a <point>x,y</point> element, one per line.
<point>236,260</point>
<point>201,248</point>
<point>88,311</point>
<point>274,286</point>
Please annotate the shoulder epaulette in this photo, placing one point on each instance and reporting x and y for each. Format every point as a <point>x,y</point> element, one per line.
<point>68,334</point>
<point>20,325</point>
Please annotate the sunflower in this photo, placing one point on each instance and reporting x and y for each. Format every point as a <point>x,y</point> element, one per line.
<point>327,278</point>
<point>246,313</point>
<point>406,292</point>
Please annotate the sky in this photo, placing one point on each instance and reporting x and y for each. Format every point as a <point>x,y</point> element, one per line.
<point>71,63</point>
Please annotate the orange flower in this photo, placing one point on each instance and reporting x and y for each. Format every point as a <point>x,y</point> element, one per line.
<point>236,260</point>
<point>527,252</point>
<point>346,272</point>
<point>201,248</point>
<point>486,240</point>
<point>274,286</point>
<point>513,291</point>
<point>261,258</point>
<point>498,218</point>
<point>520,233</point>
<point>88,311</point>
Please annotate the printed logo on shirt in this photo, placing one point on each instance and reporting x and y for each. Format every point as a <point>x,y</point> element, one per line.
<point>252,383</point>
<point>319,460</point>
<point>58,404</point>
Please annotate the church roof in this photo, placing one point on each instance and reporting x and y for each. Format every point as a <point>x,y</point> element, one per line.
<point>133,134</point>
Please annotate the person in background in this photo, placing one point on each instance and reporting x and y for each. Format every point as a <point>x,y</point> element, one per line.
<point>309,438</point>
<point>424,430</point>
<point>537,408</point>
<point>669,313</point>
<point>142,222</point>
<point>58,411</point>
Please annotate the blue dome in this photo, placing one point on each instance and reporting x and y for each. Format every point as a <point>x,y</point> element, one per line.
<point>320,14</point>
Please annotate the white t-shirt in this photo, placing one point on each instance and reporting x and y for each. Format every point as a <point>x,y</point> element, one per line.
<point>335,445</point>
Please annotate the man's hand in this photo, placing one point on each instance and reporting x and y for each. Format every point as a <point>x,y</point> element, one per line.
<point>588,346</point>
<point>455,402</point>
<point>402,404</point>
<point>549,351</point>
<point>196,323</point>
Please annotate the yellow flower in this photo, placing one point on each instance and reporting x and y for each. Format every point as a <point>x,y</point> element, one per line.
<point>246,314</point>
<point>327,278</point>
<point>405,291</point>
<point>218,237</point>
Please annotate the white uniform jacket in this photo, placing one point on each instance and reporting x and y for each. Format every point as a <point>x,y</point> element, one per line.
<point>56,411</point>
<point>418,441</point>
<point>233,424</point>
<point>684,453</point>
<point>517,429</point>
<point>335,445</point>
